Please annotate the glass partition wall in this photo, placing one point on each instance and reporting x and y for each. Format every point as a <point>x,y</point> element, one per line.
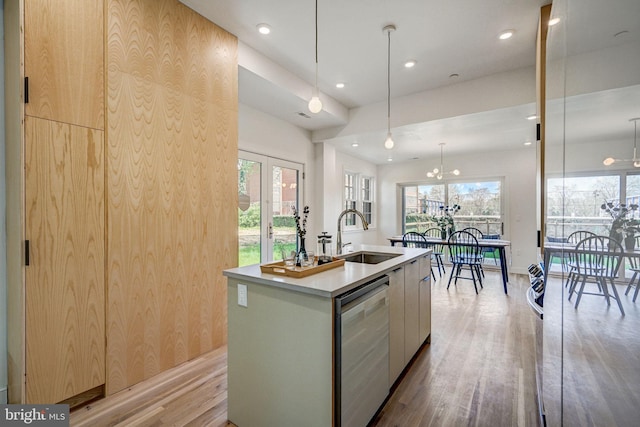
<point>591,352</point>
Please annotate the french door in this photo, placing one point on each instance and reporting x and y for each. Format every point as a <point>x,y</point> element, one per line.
<point>268,190</point>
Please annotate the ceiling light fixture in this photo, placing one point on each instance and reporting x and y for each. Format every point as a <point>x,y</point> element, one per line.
<point>264,28</point>
<point>439,173</point>
<point>388,143</point>
<point>340,85</point>
<point>315,105</point>
<point>636,162</point>
<point>410,63</point>
<point>355,144</point>
<point>532,117</point>
<point>507,34</point>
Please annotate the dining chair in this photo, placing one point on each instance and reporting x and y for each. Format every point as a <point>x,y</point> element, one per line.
<point>491,251</point>
<point>413,239</point>
<point>573,239</point>
<point>478,235</point>
<point>437,248</point>
<point>598,259</point>
<point>635,267</point>
<point>464,251</point>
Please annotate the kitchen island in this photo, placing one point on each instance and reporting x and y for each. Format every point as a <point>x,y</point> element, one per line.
<point>281,340</point>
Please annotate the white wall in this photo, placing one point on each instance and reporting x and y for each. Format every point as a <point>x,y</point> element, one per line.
<point>517,167</point>
<point>335,164</point>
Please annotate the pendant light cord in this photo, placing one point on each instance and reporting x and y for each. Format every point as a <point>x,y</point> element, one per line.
<point>388,82</point>
<point>316,44</point>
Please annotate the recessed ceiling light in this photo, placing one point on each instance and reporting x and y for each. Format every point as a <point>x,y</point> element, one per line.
<point>264,28</point>
<point>355,144</point>
<point>339,85</point>
<point>532,117</point>
<point>389,159</point>
<point>527,143</point>
<point>454,76</point>
<point>621,33</point>
<point>506,34</point>
<point>410,63</point>
<point>553,21</point>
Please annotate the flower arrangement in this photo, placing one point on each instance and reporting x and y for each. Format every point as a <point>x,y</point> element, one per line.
<point>445,221</point>
<point>301,228</point>
<point>618,212</point>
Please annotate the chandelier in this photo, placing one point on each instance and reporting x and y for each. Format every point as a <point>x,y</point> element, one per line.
<point>439,173</point>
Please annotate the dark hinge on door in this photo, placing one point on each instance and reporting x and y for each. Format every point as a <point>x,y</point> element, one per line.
<point>26,252</point>
<point>26,90</point>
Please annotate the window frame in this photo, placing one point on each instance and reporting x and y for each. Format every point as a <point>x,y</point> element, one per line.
<point>357,202</point>
<point>446,192</point>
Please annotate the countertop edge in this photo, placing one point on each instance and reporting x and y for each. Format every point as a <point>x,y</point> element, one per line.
<point>335,281</point>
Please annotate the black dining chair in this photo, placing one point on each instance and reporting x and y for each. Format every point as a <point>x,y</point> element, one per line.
<point>413,239</point>
<point>478,235</point>
<point>437,248</point>
<point>597,259</point>
<point>491,251</point>
<point>634,264</point>
<point>465,252</point>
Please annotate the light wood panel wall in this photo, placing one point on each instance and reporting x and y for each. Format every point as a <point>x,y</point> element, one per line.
<point>172,186</point>
<point>63,60</point>
<point>65,280</point>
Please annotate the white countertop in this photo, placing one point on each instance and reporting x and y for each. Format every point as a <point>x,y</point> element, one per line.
<point>333,282</point>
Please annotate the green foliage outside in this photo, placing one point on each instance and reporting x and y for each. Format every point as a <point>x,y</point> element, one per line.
<point>251,218</point>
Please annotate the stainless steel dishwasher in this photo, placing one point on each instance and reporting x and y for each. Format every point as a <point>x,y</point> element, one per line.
<point>362,353</point>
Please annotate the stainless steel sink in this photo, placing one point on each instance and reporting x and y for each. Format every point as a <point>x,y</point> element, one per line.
<point>367,257</point>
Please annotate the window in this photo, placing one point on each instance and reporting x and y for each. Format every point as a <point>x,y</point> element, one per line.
<point>359,193</point>
<point>350,197</point>
<point>367,198</point>
<point>480,205</point>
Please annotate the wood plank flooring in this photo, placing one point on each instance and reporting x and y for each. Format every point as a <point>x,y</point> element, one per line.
<point>477,371</point>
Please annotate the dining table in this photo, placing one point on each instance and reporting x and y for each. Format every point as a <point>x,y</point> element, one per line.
<point>498,244</point>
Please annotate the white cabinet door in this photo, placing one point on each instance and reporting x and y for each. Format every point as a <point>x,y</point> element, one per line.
<point>396,324</point>
<point>411,309</point>
<point>425,298</point>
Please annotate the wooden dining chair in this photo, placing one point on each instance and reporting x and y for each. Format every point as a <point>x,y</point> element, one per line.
<point>437,248</point>
<point>465,252</point>
<point>597,259</point>
<point>478,235</point>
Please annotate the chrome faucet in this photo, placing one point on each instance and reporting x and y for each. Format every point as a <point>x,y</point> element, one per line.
<point>365,226</point>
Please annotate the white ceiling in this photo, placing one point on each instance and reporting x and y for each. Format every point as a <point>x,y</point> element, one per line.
<point>445,37</point>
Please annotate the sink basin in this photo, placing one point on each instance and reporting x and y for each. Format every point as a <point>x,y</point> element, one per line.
<point>367,257</point>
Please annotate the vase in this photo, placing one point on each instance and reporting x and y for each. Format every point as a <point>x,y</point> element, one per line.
<point>302,253</point>
<point>615,235</point>
<point>630,242</point>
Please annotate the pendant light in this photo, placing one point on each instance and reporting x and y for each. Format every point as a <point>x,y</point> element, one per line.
<point>636,161</point>
<point>315,105</point>
<point>439,173</point>
<point>388,143</point>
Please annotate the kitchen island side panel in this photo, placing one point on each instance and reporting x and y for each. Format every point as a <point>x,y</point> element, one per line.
<point>282,341</point>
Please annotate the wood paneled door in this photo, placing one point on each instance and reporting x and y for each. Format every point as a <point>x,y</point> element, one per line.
<point>64,290</point>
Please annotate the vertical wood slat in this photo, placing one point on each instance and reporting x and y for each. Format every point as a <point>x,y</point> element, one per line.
<point>65,317</point>
<point>172,165</point>
<point>64,49</point>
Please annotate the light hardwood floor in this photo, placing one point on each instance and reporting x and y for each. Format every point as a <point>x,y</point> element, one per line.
<point>478,370</point>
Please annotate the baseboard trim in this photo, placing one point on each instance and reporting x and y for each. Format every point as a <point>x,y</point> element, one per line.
<point>3,395</point>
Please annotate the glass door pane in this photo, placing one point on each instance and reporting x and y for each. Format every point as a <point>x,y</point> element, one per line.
<point>268,190</point>
<point>284,197</point>
<point>249,212</point>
